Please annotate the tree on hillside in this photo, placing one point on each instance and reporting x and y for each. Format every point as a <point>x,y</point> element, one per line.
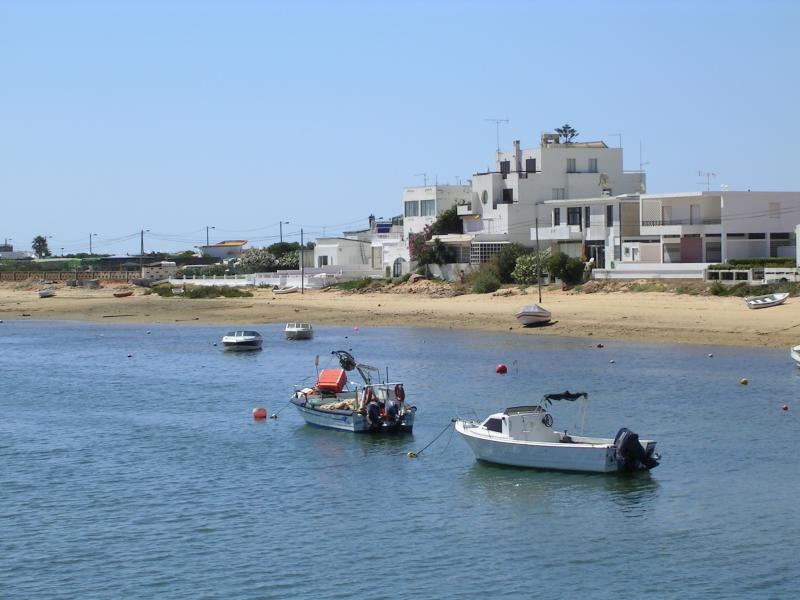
<point>39,246</point>
<point>567,133</point>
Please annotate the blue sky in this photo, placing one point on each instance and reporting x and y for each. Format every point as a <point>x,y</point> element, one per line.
<point>174,116</point>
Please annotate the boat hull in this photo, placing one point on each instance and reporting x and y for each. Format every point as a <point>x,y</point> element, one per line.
<point>591,458</point>
<point>795,354</point>
<point>348,420</point>
<point>296,334</point>
<point>756,302</point>
<point>532,319</point>
<point>242,346</point>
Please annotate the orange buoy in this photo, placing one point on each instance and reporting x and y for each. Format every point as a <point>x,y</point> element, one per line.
<point>502,369</point>
<point>259,413</point>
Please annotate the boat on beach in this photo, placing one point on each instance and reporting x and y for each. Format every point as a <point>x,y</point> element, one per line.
<point>766,300</point>
<point>794,352</point>
<point>372,406</point>
<point>285,290</point>
<point>299,331</point>
<point>239,341</point>
<point>46,293</point>
<point>532,314</point>
<point>523,436</point>
<point>123,294</point>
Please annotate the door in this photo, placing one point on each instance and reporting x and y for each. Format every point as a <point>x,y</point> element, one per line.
<point>694,214</point>
<point>666,215</point>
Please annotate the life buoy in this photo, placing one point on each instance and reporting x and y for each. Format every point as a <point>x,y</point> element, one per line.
<point>399,392</point>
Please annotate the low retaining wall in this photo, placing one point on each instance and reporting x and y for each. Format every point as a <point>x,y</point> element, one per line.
<point>65,275</point>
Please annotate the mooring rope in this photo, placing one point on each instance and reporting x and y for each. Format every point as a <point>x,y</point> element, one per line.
<point>413,454</point>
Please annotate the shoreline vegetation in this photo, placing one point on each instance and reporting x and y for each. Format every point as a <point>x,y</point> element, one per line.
<point>674,312</point>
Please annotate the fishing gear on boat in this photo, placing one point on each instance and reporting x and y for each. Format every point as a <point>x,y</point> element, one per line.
<point>413,454</point>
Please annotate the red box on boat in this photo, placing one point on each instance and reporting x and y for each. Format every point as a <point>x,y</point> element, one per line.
<point>331,380</point>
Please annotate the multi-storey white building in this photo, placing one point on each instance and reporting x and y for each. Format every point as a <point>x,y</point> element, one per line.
<point>421,205</point>
<point>506,203</point>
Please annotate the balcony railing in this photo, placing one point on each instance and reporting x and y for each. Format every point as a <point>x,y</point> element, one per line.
<point>665,222</point>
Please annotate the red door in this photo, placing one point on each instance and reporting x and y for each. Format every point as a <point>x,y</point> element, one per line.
<point>691,249</point>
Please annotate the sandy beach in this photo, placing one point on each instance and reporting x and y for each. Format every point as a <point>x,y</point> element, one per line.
<point>650,316</point>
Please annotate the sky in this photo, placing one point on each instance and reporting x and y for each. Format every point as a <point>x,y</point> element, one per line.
<point>174,116</point>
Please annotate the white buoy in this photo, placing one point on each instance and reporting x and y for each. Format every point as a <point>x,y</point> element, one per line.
<point>612,361</point>
<point>710,355</point>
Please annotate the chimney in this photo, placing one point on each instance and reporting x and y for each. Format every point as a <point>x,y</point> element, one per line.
<point>517,157</point>
<point>372,221</point>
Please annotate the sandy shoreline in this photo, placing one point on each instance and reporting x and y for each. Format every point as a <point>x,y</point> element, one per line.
<point>652,316</point>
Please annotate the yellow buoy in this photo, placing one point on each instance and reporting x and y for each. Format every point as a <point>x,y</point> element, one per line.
<point>411,454</point>
<point>743,381</point>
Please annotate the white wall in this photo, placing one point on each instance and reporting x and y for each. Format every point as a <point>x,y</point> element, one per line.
<point>342,252</point>
<point>444,196</point>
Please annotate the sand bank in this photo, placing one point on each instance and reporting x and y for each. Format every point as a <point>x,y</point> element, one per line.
<point>649,316</point>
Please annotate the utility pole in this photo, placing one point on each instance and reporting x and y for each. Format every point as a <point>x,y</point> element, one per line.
<point>302,265</point>
<point>497,126</point>
<point>141,253</point>
<point>91,235</point>
<point>207,228</point>
<point>280,225</point>
<point>538,260</point>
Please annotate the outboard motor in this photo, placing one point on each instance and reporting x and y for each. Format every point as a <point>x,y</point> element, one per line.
<point>392,413</point>
<point>374,415</point>
<point>630,454</point>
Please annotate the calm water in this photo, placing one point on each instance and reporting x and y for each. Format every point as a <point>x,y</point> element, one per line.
<point>146,476</point>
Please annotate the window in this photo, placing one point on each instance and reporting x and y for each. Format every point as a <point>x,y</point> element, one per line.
<point>556,217</point>
<point>571,168</point>
<point>427,208</point>
<point>412,208</point>
<point>530,165</point>
<point>592,165</point>
<point>574,215</point>
<point>610,215</point>
<point>559,193</point>
<point>322,261</point>
<point>508,196</point>
<point>484,196</point>
<point>587,216</point>
<point>494,425</point>
<point>505,166</point>
<point>482,252</point>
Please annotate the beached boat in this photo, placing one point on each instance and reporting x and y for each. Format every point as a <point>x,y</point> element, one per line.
<point>372,406</point>
<point>523,436</point>
<point>242,340</point>
<point>46,293</point>
<point>123,294</point>
<point>795,354</point>
<point>767,300</point>
<point>299,331</point>
<point>285,290</point>
<point>533,314</point>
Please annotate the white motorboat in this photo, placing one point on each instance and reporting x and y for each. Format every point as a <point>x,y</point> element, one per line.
<point>523,436</point>
<point>533,314</point>
<point>335,403</point>
<point>285,290</point>
<point>299,331</point>
<point>242,340</point>
<point>795,354</point>
<point>767,300</point>
<point>46,293</point>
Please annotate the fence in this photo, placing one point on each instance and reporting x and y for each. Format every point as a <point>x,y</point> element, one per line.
<point>65,275</point>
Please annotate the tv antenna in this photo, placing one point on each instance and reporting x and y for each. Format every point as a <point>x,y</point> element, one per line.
<point>708,175</point>
<point>497,127</point>
<point>424,178</point>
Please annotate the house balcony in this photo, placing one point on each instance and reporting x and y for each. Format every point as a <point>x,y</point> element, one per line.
<point>560,233</point>
<point>463,210</point>
<point>681,226</point>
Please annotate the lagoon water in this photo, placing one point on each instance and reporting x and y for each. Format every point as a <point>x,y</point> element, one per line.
<point>146,477</point>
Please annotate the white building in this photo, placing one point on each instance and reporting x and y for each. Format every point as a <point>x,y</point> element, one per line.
<point>224,250</point>
<point>505,203</point>
<point>423,204</point>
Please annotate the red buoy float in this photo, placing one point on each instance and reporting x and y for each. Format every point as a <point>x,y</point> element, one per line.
<point>259,413</point>
<point>785,407</point>
<point>501,369</point>
<point>600,346</point>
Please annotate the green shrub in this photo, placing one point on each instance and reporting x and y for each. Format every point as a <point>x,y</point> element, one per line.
<point>717,289</point>
<point>485,281</point>
<point>356,284</point>
<point>525,270</point>
<point>568,269</point>
<point>202,291</point>
<point>506,260</point>
<point>749,263</point>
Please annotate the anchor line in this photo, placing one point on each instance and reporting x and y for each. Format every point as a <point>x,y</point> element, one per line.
<point>413,454</point>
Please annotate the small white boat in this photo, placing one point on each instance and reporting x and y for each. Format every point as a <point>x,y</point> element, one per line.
<point>46,293</point>
<point>533,314</point>
<point>767,300</point>
<point>299,331</point>
<point>795,354</point>
<point>285,290</point>
<point>242,340</point>
<point>335,403</point>
<point>523,436</point>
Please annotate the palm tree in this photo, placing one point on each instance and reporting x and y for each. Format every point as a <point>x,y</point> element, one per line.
<point>567,133</point>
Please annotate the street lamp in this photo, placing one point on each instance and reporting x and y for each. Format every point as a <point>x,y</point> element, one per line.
<point>281,224</point>
<point>91,235</point>
<point>207,228</point>
<point>62,251</point>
